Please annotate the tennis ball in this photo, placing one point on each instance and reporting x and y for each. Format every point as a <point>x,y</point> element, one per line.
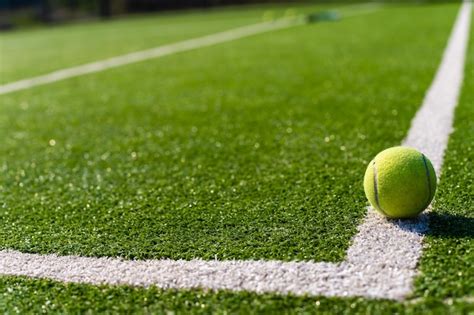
<point>400,182</point>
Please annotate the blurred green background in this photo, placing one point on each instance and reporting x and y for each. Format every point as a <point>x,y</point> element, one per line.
<point>27,13</point>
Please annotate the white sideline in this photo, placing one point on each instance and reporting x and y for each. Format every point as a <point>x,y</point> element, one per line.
<point>381,262</point>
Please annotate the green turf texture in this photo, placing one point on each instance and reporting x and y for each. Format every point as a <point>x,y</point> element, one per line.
<point>217,153</point>
<point>400,182</point>
<point>227,152</point>
<point>444,286</point>
<point>40,296</point>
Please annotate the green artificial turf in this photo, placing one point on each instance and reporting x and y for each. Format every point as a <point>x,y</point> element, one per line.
<point>227,152</point>
<point>34,207</point>
<point>41,296</point>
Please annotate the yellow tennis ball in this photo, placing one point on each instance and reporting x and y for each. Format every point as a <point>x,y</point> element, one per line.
<point>400,182</point>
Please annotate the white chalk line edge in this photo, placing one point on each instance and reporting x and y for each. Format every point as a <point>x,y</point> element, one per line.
<point>381,262</point>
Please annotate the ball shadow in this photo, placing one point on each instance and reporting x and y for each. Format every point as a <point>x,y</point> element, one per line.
<point>444,225</point>
<point>439,225</point>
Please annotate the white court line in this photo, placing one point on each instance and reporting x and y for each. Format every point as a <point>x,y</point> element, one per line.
<point>381,262</point>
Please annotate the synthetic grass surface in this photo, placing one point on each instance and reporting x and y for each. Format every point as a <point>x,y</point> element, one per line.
<point>40,296</point>
<point>444,286</point>
<point>228,152</point>
<point>27,53</point>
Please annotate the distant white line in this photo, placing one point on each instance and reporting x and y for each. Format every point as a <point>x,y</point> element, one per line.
<point>157,52</point>
<point>381,262</point>
<point>165,50</point>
